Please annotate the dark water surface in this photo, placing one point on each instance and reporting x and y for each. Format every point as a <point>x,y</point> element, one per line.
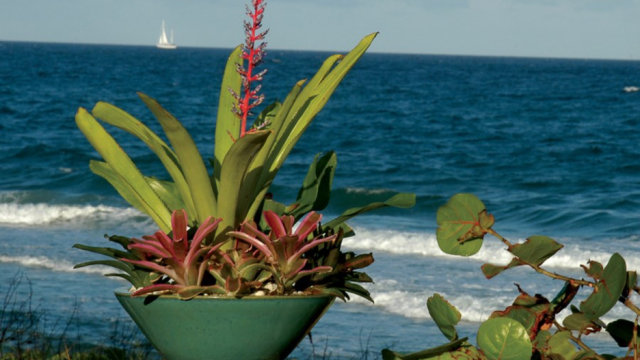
<point>550,145</point>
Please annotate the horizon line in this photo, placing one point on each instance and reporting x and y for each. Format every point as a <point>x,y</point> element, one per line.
<point>335,51</point>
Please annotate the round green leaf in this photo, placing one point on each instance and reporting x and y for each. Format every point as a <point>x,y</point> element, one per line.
<point>607,290</point>
<point>560,344</point>
<point>504,339</point>
<point>445,315</point>
<point>460,227</point>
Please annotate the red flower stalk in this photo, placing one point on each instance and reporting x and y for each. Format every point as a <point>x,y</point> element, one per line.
<point>253,55</point>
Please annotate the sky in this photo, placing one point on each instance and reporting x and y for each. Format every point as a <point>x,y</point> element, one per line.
<point>606,29</point>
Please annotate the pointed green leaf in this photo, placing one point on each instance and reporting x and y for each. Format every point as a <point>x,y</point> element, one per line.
<point>112,263</point>
<point>504,339</point>
<point>112,253</point>
<point>123,120</point>
<point>265,177</point>
<point>536,250</point>
<point>233,202</point>
<point>402,200</point>
<point>307,105</point>
<point>111,152</point>
<point>445,315</point>
<point>459,230</point>
<point>227,123</point>
<point>607,290</point>
<point>490,270</point>
<point>190,160</point>
<point>267,116</point>
<point>315,192</point>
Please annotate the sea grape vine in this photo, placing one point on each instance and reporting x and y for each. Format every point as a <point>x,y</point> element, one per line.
<point>530,327</point>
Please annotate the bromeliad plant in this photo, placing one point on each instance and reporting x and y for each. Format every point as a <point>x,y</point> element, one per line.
<point>251,247</point>
<point>530,328</point>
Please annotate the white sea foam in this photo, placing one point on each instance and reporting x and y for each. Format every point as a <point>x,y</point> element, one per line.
<point>493,251</point>
<point>54,264</point>
<point>44,214</point>
<point>356,190</point>
<point>390,297</point>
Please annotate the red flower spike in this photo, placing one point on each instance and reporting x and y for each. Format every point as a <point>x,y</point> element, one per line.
<point>254,56</point>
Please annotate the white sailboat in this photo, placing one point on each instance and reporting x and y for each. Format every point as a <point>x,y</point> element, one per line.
<point>163,42</point>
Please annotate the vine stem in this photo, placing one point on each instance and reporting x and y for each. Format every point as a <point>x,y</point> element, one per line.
<point>578,341</point>
<point>541,270</point>
<point>632,306</point>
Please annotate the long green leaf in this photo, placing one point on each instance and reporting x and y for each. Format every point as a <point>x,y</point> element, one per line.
<point>111,152</point>
<point>227,122</point>
<point>402,200</point>
<point>307,105</point>
<point>315,192</point>
<point>263,175</point>
<point>168,192</point>
<point>123,120</point>
<point>234,203</point>
<point>317,98</point>
<point>123,188</point>
<point>110,252</point>
<point>190,160</point>
<point>112,263</point>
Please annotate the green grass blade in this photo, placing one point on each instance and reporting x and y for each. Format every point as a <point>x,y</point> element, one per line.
<point>111,152</point>
<point>190,160</point>
<point>123,120</point>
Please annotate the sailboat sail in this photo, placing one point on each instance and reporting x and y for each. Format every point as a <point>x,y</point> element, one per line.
<point>163,42</point>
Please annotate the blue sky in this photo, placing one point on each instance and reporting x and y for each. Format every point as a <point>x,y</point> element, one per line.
<point>542,28</point>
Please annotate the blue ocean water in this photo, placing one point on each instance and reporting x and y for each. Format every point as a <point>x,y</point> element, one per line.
<point>550,145</point>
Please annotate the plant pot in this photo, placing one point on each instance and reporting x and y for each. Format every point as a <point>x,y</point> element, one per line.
<point>253,327</point>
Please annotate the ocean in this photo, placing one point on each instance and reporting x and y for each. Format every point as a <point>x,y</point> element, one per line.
<point>550,146</point>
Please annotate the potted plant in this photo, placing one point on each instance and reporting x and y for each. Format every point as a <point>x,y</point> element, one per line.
<point>530,328</point>
<point>255,282</point>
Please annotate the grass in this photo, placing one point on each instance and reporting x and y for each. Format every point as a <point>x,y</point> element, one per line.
<point>27,333</point>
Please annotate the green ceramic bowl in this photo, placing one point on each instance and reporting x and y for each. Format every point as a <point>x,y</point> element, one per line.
<point>253,327</point>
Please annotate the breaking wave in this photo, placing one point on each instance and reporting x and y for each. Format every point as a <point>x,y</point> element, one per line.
<point>56,265</point>
<point>425,244</point>
<point>40,214</point>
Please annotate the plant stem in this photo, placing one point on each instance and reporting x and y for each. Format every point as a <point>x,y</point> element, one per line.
<point>541,270</point>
